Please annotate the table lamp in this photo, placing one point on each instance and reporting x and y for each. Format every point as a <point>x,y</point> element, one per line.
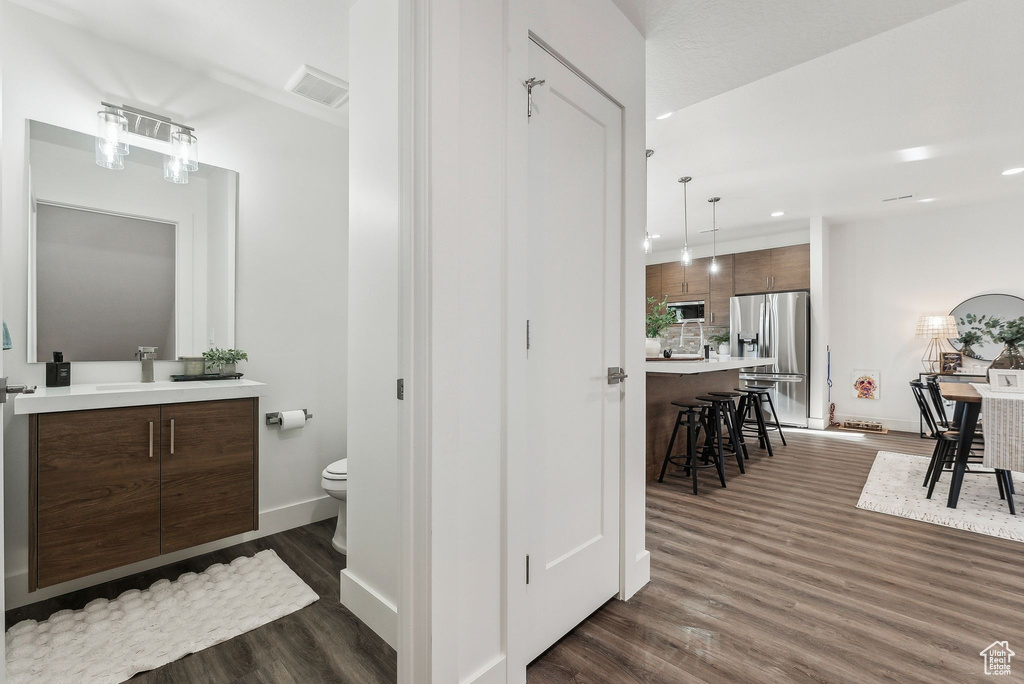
<point>935,328</point>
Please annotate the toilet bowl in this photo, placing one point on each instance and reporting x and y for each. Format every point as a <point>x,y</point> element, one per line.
<point>334,480</point>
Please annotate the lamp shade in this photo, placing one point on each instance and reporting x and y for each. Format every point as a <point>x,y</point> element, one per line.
<point>929,327</point>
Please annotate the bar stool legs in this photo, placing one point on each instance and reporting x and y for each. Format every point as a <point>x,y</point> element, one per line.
<point>775,417</point>
<point>694,412</point>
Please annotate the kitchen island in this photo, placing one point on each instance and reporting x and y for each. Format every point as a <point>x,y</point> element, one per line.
<point>671,380</point>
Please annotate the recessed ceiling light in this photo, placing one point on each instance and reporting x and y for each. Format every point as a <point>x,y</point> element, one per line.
<point>1013,172</point>
<point>777,214</point>
<point>663,116</point>
<point>927,199</point>
<point>655,237</point>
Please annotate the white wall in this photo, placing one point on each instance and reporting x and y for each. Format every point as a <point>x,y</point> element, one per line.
<point>292,241</point>
<point>369,583</point>
<point>885,273</point>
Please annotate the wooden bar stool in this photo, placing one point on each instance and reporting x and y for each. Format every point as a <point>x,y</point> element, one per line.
<point>693,412</point>
<point>718,423</point>
<point>751,404</point>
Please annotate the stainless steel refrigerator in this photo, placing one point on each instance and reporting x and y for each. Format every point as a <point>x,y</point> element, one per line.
<point>776,325</point>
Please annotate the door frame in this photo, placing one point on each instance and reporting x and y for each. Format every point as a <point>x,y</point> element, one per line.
<point>426,623</point>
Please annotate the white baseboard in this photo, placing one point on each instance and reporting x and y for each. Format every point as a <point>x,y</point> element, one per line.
<point>271,522</point>
<point>641,575</point>
<point>377,612</point>
<point>489,674</point>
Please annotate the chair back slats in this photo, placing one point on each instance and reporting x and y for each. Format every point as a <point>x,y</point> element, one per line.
<point>918,388</point>
<point>940,406</point>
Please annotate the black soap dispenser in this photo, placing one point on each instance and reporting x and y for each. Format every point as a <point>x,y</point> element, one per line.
<point>58,371</point>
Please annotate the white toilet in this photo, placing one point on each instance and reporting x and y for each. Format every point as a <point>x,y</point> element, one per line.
<point>335,482</point>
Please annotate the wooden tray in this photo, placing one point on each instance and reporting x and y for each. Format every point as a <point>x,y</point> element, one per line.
<point>196,378</point>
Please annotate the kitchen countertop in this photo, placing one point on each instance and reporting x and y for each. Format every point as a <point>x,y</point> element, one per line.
<point>118,394</point>
<point>685,367</point>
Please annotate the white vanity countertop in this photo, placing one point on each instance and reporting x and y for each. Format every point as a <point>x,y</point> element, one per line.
<point>683,367</point>
<point>118,394</point>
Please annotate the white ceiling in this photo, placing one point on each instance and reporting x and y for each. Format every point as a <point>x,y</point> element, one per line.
<point>254,45</point>
<point>697,49</point>
<point>931,108</point>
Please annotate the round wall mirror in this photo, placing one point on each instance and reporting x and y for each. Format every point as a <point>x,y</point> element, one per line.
<point>1002,306</point>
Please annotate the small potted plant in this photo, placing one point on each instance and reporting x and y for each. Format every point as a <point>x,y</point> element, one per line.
<point>970,336</point>
<point>659,318</point>
<point>223,361</point>
<point>721,341</point>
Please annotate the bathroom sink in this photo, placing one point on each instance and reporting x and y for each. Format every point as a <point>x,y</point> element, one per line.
<point>139,386</point>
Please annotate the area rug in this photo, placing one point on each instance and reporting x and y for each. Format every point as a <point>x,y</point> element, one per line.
<point>110,641</point>
<point>894,487</point>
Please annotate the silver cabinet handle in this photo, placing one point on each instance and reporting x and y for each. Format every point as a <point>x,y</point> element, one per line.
<point>172,436</point>
<point>151,439</point>
<point>773,282</point>
<point>766,283</point>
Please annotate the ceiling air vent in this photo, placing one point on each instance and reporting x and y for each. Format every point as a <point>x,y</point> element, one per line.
<point>897,198</point>
<point>319,86</point>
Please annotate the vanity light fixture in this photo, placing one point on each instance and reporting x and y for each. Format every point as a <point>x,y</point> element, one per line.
<point>116,122</point>
<point>111,139</point>
<point>714,234</point>
<point>685,257</point>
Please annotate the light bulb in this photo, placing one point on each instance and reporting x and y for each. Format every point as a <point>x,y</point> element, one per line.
<point>686,258</point>
<point>714,265</point>
<point>648,246</point>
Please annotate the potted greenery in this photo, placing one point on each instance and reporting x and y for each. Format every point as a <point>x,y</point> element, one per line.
<point>1011,334</point>
<point>659,318</point>
<point>223,361</point>
<point>721,340</point>
<point>970,336</point>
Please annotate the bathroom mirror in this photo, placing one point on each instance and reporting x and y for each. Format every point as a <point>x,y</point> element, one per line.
<point>120,259</point>
<point>1002,306</point>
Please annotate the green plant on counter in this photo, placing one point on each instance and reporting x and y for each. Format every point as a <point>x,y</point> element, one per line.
<point>718,339</point>
<point>658,317</point>
<point>220,357</point>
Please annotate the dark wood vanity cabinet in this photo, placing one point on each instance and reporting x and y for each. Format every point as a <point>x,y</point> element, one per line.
<point>110,487</point>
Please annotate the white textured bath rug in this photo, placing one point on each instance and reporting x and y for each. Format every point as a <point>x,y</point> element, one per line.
<point>110,641</point>
<point>894,487</point>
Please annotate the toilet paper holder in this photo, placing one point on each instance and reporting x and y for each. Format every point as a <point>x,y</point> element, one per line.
<point>275,418</point>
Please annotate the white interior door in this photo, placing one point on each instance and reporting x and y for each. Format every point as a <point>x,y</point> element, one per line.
<point>574,306</point>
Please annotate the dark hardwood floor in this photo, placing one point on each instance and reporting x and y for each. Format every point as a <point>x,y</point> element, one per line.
<point>323,642</point>
<point>779,578</point>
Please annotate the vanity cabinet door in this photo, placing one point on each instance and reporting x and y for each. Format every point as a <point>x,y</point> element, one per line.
<point>97,491</point>
<point>209,471</point>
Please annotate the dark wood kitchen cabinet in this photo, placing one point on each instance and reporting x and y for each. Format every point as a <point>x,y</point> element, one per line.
<point>110,487</point>
<point>780,269</point>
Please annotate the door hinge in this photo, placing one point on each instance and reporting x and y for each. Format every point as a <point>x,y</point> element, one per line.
<point>530,84</point>
<point>527,335</point>
<point>401,389</point>
<point>527,568</point>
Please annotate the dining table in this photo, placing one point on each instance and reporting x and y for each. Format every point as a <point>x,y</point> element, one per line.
<point>965,417</point>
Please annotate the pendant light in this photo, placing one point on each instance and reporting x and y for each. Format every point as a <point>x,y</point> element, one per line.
<point>685,257</point>
<point>714,234</point>
<point>648,243</point>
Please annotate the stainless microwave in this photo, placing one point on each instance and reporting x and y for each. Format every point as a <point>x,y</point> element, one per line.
<point>687,311</point>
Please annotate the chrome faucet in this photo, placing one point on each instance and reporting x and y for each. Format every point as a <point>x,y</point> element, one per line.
<point>146,355</point>
<point>700,330</point>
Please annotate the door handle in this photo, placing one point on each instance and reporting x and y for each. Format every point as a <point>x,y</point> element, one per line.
<point>172,436</point>
<point>151,439</point>
<point>616,375</point>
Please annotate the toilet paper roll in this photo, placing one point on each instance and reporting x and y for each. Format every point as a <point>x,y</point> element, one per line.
<point>293,420</point>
